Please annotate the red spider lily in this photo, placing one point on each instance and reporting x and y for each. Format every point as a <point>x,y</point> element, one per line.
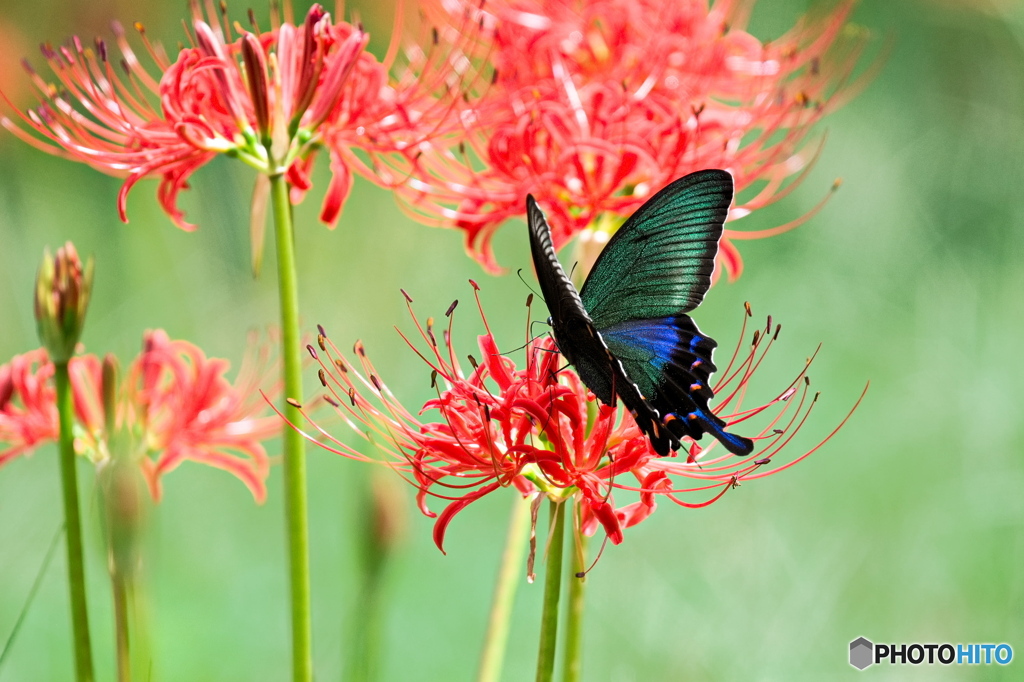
<point>173,405</point>
<point>542,431</point>
<point>268,98</point>
<point>594,106</point>
<point>28,404</point>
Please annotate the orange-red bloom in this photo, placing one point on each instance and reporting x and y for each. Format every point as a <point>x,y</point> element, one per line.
<point>174,404</point>
<point>540,430</point>
<point>596,105</point>
<point>268,98</point>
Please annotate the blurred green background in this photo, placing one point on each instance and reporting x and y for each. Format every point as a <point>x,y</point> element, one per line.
<point>907,527</point>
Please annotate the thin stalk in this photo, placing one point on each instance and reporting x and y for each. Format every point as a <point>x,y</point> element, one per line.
<point>364,649</point>
<point>572,670</point>
<point>124,660</point>
<point>73,527</point>
<point>296,512</point>
<point>31,596</point>
<point>552,591</point>
<point>509,575</point>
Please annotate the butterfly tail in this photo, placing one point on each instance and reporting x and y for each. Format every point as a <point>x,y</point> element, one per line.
<point>737,445</point>
<point>700,421</point>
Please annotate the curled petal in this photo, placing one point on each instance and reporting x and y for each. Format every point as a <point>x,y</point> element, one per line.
<point>445,517</point>
<point>337,192</point>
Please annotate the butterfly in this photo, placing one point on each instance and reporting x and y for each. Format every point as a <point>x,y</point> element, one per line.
<point>627,332</point>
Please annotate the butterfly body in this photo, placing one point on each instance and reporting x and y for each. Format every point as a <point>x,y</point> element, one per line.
<point>626,332</point>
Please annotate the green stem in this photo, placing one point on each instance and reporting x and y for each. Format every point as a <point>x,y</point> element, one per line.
<point>296,512</point>
<point>124,659</point>
<point>573,663</point>
<point>73,526</point>
<point>363,658</point>
<point>509,575</point>
<point>552,591</point>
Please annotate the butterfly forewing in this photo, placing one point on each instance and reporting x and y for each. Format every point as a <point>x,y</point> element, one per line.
<point>559,293</point>
<point>659,263</point>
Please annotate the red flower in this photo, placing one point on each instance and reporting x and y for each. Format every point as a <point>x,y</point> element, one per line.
<point>173,405</point>
<point>267,98</point>
<point>28,404</point>
<point>595,106</point>
<point>541,430</point>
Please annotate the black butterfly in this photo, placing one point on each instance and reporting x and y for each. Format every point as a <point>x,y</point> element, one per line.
<point>627,332</point>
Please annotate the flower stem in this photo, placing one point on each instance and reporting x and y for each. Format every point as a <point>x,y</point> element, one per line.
<point>379,536</point>
<point>573,664</point>
<point>509,574</point>
<point>296,512</point>
<point>124,659</point>
<point>364,649</point>
<point>73,526</point>
<point>552,591</point>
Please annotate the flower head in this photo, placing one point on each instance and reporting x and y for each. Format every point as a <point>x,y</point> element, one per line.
<point>173,405</point>
<point>594,106</point>
<point>540,430</point>
<point>63,289</point>
<point>269,98</point>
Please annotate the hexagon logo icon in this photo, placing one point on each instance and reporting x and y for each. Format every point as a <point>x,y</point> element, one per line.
<point>861,653</point>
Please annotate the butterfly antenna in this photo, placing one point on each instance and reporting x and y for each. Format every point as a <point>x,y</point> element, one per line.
<point>530,336</point>
<point>519,274</point>
<point>583,574</point>
<point>518,348</point>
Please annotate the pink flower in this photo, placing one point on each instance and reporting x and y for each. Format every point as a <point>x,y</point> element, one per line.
<point>269,99</point>
<point>173,404</point>
<point>597,105</point>
<point>540,430</point>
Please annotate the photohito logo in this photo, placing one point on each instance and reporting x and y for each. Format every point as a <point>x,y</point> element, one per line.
<point>863,652</point>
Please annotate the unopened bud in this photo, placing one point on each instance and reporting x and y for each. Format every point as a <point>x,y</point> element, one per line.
<point>125,506</point>
<point>386,528</point>
<point>63,287</point>
<point>256,75</point>
<point>109,388</point>
<point>6,385</point>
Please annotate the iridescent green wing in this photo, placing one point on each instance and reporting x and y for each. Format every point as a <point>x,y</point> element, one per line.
<point>659,263</point>
<point>654,270</point>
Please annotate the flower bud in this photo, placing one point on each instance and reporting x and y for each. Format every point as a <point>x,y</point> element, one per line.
<point>6,385</point>
<point>124,507</point>
<point>63,287</point>
<point>388,517</point>
<point>108,389</point>
<point>256,75</point>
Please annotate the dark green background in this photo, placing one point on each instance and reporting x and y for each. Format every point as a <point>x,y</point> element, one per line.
<point>906,527</point>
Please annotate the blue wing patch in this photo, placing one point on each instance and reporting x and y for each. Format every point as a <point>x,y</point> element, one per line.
<point>669,359</point>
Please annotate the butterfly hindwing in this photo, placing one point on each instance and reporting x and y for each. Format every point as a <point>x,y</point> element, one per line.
<point>669,360</point>
<point>660,261</point>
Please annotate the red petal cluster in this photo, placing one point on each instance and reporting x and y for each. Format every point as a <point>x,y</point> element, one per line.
<point>174,404</point>
<point>540,430</point>
<point>596,105</point>
<point>269,98</point>
<point>28,404</point>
